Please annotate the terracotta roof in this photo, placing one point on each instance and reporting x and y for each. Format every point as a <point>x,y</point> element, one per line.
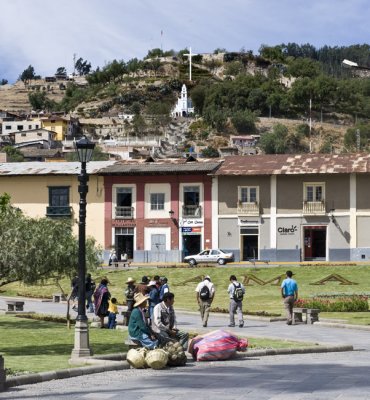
<point>299,164</point>
<point>161,166</point>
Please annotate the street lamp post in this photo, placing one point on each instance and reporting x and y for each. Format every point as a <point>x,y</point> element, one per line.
<point>84,149</point>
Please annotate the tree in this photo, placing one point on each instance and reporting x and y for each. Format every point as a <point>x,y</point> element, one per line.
<point>28,74</point>
<point>304,67</point>
<point>210,152</point>
<point>36,249</point>
<point>3,82</point>
<point>244,121</point>
<point>14,155</point>
<point>61,71</point>
<point>275,142</point>
<point>82,66</point>
<point>97,155</point>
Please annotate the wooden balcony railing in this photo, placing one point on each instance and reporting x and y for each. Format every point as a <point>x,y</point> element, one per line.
<point>314,207</point>
<point>124,212</point>
<point>252,208</point>
<point>58,211</point>
<point>192,211</point>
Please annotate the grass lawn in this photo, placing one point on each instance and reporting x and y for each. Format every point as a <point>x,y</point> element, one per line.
<point>265,297</point>
<point>32,346</point>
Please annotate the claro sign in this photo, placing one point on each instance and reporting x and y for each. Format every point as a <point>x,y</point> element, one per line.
<point>282,230</point>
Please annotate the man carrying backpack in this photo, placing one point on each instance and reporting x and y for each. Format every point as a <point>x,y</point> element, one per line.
<point>236,293</point>
<point>205,294</point>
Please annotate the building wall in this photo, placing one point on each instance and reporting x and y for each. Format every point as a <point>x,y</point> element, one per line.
<point>147,222</point>
<point>31,195</point>
<point>60,127</point>
<point>228,192</point>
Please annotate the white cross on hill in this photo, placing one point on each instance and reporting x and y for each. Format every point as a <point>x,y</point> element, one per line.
<point>190,55</point>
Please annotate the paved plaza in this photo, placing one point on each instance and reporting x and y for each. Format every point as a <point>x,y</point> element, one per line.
<point>341,375</point>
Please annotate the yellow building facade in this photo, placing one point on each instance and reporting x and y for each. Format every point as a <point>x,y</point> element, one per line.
<point>51,189</point>
<point>56,124</point>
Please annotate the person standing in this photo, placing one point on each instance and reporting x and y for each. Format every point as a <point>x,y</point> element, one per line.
<point>113,311</point>
<point>90,288</point>
<point>74,292</point>
<point>101,298</point>
<point>289,292</point>
<point>236,293</point>
<point>142,287</point>
<point>205,293</point>
<point>164,287</point>
<point>153,297</point>
<point>129,294</point>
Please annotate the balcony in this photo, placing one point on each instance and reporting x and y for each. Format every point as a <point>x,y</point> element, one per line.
<point>58,211</point>
<point>252,208</point>
<point>192,211</point>
<point>124,212</point>
<point>314,207</point>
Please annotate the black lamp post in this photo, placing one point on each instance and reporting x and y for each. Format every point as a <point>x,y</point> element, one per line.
<point>84,149</point>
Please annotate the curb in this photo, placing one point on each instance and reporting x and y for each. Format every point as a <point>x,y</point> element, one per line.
<point>102,366</point>
<point>303,350</point>
<point>105,363</point>
<point>343,326</point>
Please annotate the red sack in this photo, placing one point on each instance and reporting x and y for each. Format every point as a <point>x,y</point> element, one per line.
<point>216,345</point>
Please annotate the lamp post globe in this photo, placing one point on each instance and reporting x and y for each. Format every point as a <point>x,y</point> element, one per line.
<point>84,148</point>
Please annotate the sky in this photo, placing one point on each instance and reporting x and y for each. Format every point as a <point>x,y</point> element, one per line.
<point>47,33</point>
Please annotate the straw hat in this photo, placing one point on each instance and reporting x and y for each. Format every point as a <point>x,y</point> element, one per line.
<point>130,280</point>
<point>139,299</point>
<point>152,283</point>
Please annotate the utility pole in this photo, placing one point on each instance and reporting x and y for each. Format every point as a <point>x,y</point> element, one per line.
<point>74,63</point>
<point>358,140</point>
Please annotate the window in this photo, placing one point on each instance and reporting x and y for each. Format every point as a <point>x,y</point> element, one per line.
<point>59,202</point>
<point>39,134</point>
<point>157,201</point>
<point>23,134</point>
<point>36,127</point>
<point>248,194</point>
<point>8,127</point>
<point>191,195</point>
<point>20,127</point>
<point>59,196</point>
<point>29,126</point>
<point>314,192</point>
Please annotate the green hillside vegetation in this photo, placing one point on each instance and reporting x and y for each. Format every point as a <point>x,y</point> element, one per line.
<point>232,91</point>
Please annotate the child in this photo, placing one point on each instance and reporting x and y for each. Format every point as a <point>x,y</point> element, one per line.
<point>113,310</point>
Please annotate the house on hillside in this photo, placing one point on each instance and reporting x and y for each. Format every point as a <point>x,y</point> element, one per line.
<point>184,106</point>
<point>38,138</point>
<point>309,207</point>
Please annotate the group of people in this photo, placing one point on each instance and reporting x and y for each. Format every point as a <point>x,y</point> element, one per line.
<point>150,312</point>
<point>157,326</point>
<point>205,293</point>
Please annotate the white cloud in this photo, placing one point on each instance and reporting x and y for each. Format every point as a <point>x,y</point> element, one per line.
<point>46,34</point>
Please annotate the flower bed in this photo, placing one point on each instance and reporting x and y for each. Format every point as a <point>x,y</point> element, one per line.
<point>352,303</point>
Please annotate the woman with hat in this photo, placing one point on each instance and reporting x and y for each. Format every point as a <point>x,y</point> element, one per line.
<point>138,329</point>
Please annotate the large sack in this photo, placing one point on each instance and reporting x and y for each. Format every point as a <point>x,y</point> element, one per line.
<point>216,345</point>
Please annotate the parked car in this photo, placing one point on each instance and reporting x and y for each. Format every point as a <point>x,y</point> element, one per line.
<point>207,256</point>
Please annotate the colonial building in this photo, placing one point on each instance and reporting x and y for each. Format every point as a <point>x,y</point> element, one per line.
<point>293,207</point>
<point>158,210</point>
<point>184,105</point>
<point>50,189</point>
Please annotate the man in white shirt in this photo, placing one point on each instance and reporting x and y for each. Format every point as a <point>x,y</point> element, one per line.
<point>205,293</point>
<point>164,322</point>
<point>236,292</point>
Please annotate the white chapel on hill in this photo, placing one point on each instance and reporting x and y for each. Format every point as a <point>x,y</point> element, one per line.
<point>184,105</point>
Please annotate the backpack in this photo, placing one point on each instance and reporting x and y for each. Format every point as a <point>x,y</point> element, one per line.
<point>204,293</point>
<point>238,293</point>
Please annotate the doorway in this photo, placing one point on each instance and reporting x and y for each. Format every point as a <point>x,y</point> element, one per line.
<point>191,244</point>
<point>158,247</point>
<point>249,243</point>
<point>124,242</point>
<point>314,243</point>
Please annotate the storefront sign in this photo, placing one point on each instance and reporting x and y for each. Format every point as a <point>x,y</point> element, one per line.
<point>290,230</point>
<point>123,223</point>
<point>190,230</point>
<point>191,222</point>
<point>186,230</point>
<point>249,222</point>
